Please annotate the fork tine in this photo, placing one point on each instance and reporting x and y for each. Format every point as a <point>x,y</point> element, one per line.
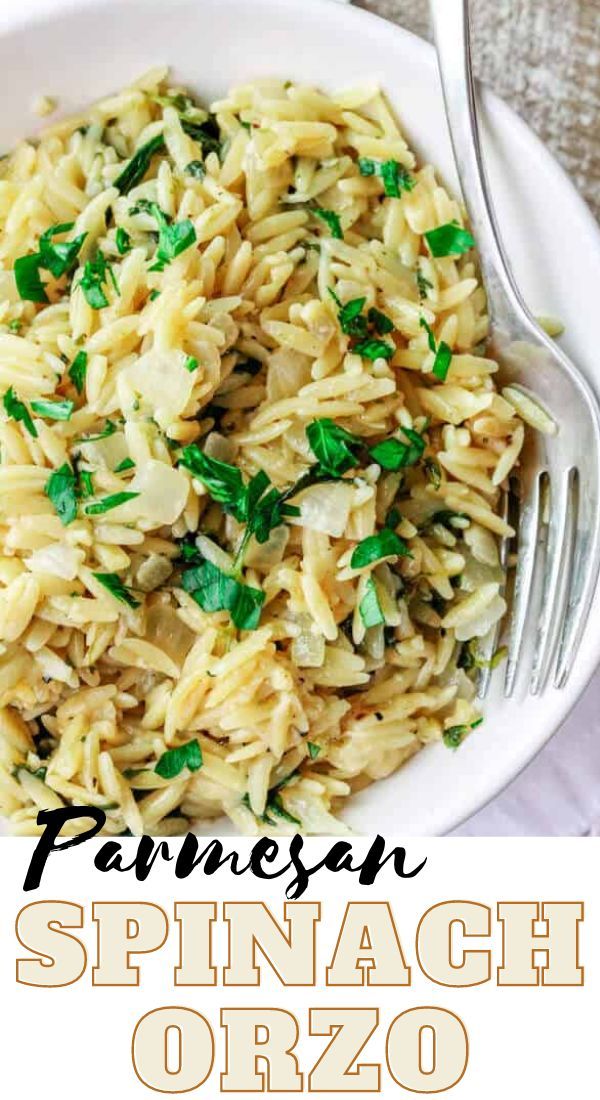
<point>556,573</point>
<point>528,540</point>
<point>584,576</point>
<point>490,644</point>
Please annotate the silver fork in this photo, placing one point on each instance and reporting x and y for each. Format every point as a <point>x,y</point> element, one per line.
<point>557,500</point>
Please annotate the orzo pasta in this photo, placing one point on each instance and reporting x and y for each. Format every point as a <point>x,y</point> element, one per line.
<point>251,460</point>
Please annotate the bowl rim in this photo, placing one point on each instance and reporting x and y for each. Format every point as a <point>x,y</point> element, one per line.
<point>17,16</point>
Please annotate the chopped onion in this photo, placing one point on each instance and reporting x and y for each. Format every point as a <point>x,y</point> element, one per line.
<point>326,507</point>
<point>308,649</point>
<point>217,446</point>
<point>163,493</point>
<point>158,385</point>
<point>60,560</point>
<point>267,554</point>
<point>287,372</point>
<point>166,630</point>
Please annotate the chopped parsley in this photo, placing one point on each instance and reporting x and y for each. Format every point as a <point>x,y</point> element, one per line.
<point>333,446</point>
<point>78,370</point>
<point>380,322</point>
<point>28,280</point>
<point>174,761</point>
<point>85,484</point>
<point>18,411</point>
<point>126,464</point>
<point>139,164</point>
<point>455,735</point>
<point>442,352</point>
<point>350,317</point>
<point>314,750</point>
<point>207,133</point>
<point>195,169</point>
<point>53,410</point>
<point>385,544</point>
<point>433,471</point>
<point>113,584</point>
<point>109,430</point>
<point>331,219</point>
<point>354,324</point>
<point>470,658</point>
<point>252,503</point>
<point>173,237</point>
<point>449,240</point>
<point>374,349</point>
<point>62,490</point>
<point>275,808</point>
<point>369,607</point>
<point>15,325</point>
<point>57,257</point>
<point>108,503</point>
<point>423,285</point>
<point>95,277</point>
<point>123,241</point>
<point>393,518</point>
<point>215,590</point>
<point>394,176</point>
<point>191,364</point>
<point>393,454</point>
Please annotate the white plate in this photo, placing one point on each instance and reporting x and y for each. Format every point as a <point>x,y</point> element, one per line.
<point>81,49</point>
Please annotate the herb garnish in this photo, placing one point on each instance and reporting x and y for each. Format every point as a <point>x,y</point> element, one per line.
<point>369,607</point>
<point>18,411</point>
<point>215,590</point>
<point>191,364</point>
<point>354,324</point>
<point>139,164</point>
<point>59,258</point>
<point>109,430</point>
<point>449,240</point>
<point>95,276</point>
<point>108,503</point>
<point>61,490</point>
<point>78,370</point>
<point>195,169</point>
<point>126,464</point>
<point>113,583</point>
<point>393,454</point>
<point>252,503</point>
<point>442,352</point>
<point>385,544</point>
<point>173,762</point>
<point>455,735</point>
<point>394,176</point>
<point>331,219</point>
<point>53,410</point>
<point>314,750</point>
<point>27,277</point>
<point>423,285</point>
<point>333,446</point>
<point>173,237</point>
<point>433,471</point>
<point>374,349</point>
<point>123,241</point>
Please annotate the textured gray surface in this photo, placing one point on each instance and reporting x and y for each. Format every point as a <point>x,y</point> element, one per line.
<point>542,57</point>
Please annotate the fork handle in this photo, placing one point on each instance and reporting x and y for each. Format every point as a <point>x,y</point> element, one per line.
<point>451,28</point>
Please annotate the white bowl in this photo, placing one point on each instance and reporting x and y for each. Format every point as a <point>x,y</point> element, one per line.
<point>81,49</point>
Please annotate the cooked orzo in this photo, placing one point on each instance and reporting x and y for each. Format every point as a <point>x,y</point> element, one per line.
<point>251,460</point>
